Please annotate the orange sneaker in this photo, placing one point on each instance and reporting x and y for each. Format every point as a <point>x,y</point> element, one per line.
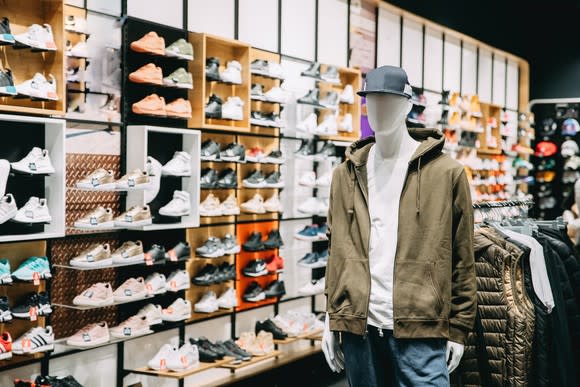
<point>153,105</point>
<point>179,108</point>
<point>150,43</point>
<point>147,74</point>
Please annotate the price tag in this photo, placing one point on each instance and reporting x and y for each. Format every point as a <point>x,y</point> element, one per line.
<point>173,285</point>
<point>26,345</point>
<point>162,364</point>
<point>149,288</point>
<point>172,255</point>
<point>183,360</point>
<point>33,313</point>
<point>36,278</point>
<point>148,259</point>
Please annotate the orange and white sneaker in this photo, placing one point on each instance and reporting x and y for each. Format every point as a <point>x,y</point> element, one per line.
<point>150,43</point>
<point>152,105</point>
<point>147,74</point>
<point>180,108</point>
<point>5,346</point>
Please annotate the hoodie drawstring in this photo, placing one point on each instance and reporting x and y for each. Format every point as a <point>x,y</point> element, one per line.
<point>419,186</point>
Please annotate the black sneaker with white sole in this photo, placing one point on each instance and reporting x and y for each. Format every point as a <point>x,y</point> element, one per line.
<point>212,69</point>
<point>5,312</point>
<point>227,179</point>
<point>306,149</point>
<point>34,304</point>
<point>275,289</point>
<point>234,152</point>
<point>269,326</point>
<point>211,248</point>
<point>274,157</point>
<point>254,293</point>
<point>255,179</point>
<point>254,242</point>
<point>274,180</point>
<point>155,255</point>
<point>311,98</point>
<point>257,92</point>
<point>213,109</point>
<point>206,276</point>
<point>258,118</point>
<point>313,71</point>
<point>210,150</point>
<point>328,151</point>
<point>256,268</point>
<point>209,178</point>
<point>7,83</point>
<point>6,36</point>
<point>274,240</point>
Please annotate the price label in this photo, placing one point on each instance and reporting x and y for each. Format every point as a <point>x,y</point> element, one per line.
<point>172,255</point>
<point>148,259</point>
<point>173,285</point>
<point>162,364</point>
<point>33,313</point>
<point>36,278</point>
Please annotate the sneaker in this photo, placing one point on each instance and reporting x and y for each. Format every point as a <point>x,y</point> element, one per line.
<point>322,230</point>
<point>99,218</point>
<point>211,248</point>
<point>136,179</point>
<point>330,75</point>
<point>181,49</point>
<point>273,203</point>
<point>312,288</point>
<point>212,66</point>
<point>330,100</point>
<point>152,105</point>
<point>207,349</point>
<point>179,165</point>
<point>209,178</point>
<point>311,260</point>
<point>39,87</point>
<point>328,126</point>
<point>7,81</point>
<point>254,293</point>
<point>254,180</point>
<point>308,124</point>
<point>258,118</point>
<point>179,310</point>
<point>155,255</point>
<point>230,244</point>
<point>347,95</point>
<point>228,299</point>
<point>6,36</point>
<point>76,24</point>
<point>211,206</point>
<point>307,149</point>
<point>178,280</point>
<point>98,180</point>
<point>90,335</point>
<point>207,304</point>
<point>210,151</point>
<point>134,217</point>
<point>254,242</point>
<point>227,179</point>
<point>5,276</point>
<point>99,294</point>
<point>180,252</point>
<point>154,169</point>
<point>275,264</point>
<point>255,268</point>
<point>229,206</point>
<point>233,347</point>
<point>34,211</point>
<point>255,205</point>
<point>150,43</point>
<point>255,155</point>
<point>234,153</point>
<point>5,312</point>
<point>7,208</point>
<point>274,180</point>
<point>5,342</point>
<point>259,66</point>
<point>186,358</point>
<point>273,120</point>
<point>38,304</point>
<point>31,268</point>
<point>233,109</point>
<point>159,361</point>
<point>311,98</point>
<point>232,73</point>
<point>313,71</point>
<point>328,151</point>
<point>269,326</point>
<point>132,289</point>
<point>226,272</point>
<point>257,92</point>
<point>37,161</point>
<point>128,253</point>
<point>152,313</point>
<point>35,340</point>
<point>274,157</point>
<point>96,255</point>
<point>206,276</point>
<point>308,233</point>
<point>179,108</point>
<point>274,240</point>
<point>277,95</point>
<point>156,283</point>
<point>312,206</point>
<point>180,78</point>
<point>180,205</point>
<point>289,325</point>
<point>345,124</point>
<point>133,326</point>
<point>263,345</point>
<point>307,179</point>
<point>79,50</point>
<point>37,37</point>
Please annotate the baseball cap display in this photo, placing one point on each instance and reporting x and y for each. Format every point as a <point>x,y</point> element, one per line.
<point>569,148</point>
<point>573,163</point>
<point>548,164</point>
<point>549,127</point>
<point>546,149</point>
<point>387,80</point>
<point>545,176</point>
<point>570,127</point>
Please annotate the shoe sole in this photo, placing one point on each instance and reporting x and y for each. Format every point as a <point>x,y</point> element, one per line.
<point>252,185</point>
<point>43,348</point>
<point>101,263</point>
<point>200,310</point>
<point>8,216</point>
<point>105,225</point>
<point>175,214</point>
<point>235,250</point>
<point>214,213</point>
<point>133,334</point>
<point>148,112</point>
<point>36,220</point>
<point>101,187</point>
<point>139,223</point>
<point>259,274</point>
<point>273,161</point>
<point>147,81</point>
<point>6,356</point>
<point>209,158</point>
<point>185,116</point>
<point>134,188</point>
<point>8,90</point>
<point>232,159</point>
<point>178,85</point>
<point>307,238</point>
<point>173,319</point>
<point>46,171</point>
<point>176,174</point>
<point>96,303</point>
<point>135,297</point>
<point>139,258</point>
<point>275,185</point>
<point>171,54</point>
<point>232,212</point>
<point>232,117</point>
<point>216,254</point>
<point>26,315</point>
<point>6,280</point>
<point>312,265</point>
<point>250,211</point>
<point>259,297</point>
<point>92,343</point>
<point>182,287</point>
<point>41,275</point>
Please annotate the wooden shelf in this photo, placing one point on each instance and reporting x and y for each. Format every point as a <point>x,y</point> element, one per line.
<point>180,375</point>
<point>203,316</point>
<point>252,361</point>
<point>290,340</point>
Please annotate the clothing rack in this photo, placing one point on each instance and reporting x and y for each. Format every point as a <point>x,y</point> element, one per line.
<point>502,204</point>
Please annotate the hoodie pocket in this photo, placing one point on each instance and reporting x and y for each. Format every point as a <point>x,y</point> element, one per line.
<point>417,291</point>
<point>350,295</point>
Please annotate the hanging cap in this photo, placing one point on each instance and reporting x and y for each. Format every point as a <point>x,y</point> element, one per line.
<point>569,148</point>
<point>387,80</point>
<point>546,149</point>
<point>570,127</point>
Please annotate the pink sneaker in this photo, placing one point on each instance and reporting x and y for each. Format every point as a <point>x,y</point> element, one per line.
<point>133,326</point>
<point>90,335</point>
<point>132,289</point>
<point>99,294</point>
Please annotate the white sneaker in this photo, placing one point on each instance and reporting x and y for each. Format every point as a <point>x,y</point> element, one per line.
<point>230,206</point>
<point>275,70</point>
<point>187,357</point>
<point>273,204</point>
<point>179,310</point>
<point>178,280</point>
<point>312,206</point>
<point>313,287</point>
<point>254,206</point>
<point>233,109</point>
<point>210,206</point>
<point>324,180</point>
<point>309,124</point>
<point>34,340</point>
<point>180,205</point>
<point>7,208</point>
<point>37,161</point>
<point>154,169</point>
<point>38,37</point>
<point>232,73</point>
<point>308,179</point>
<point>347,95</point>
<point>328,126</point>
<point>159,361</point>
<point>228,299</point>
<point>345,124</point>
<point>155,284</point>
<point>80,50</point>
<point>207,304</point>
<point>276,94</point>
<point>39,87</point>
<point>4,172</point>
<point>179,165</point>
<point>76,24</point>
<point>152,314</point>
<point>34,211</point>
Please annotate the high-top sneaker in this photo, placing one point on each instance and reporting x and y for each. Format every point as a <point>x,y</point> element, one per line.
<point>213,109</point>
<point>6,36</point>
<point>7,82</point>
<point>212,69</point>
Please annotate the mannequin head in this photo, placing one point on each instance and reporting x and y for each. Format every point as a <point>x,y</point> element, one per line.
<point>387,113</point>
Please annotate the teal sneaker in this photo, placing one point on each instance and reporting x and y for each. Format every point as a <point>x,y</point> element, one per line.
<point>5,277</point>
<point>180,78</point>
<point>32,265</point>
<point>180,49</point>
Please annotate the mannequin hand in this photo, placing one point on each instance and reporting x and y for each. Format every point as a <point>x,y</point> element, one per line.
<point>454,354</point>
<point>331,348</point>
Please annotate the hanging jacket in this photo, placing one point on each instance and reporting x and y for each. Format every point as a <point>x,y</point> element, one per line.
<point>434,278</point>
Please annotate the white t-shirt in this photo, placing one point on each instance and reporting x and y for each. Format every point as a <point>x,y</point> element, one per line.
<point>385,180</point>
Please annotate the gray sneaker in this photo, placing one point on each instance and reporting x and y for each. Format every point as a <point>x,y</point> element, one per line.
<point>230,244</point>
<point>211,248</point>
<point>180,79</point>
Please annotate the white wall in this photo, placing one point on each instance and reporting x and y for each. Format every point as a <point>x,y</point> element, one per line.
<point>332,31</point>
<point>413,51</point>
<point>169,12</point>
<point>258,23</point>
<point>298,28</point>
<point>201,17</point>
<point>388,39</point>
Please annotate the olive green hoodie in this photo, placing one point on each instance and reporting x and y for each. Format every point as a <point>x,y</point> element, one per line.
<point>434,277</point>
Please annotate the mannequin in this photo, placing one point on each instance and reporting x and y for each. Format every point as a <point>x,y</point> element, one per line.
<point>387,168</point>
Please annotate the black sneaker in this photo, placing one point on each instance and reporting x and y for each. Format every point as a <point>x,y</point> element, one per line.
<point>206,353</point>
<point>38,304</point>
<point>274,240</point>
<point>269,326</point>
<point>230,244</point>
<point>273,120</point>
<point>313,71</point>
<point>5,313</point>
<point>274,180</point>
<point>275,289</point>
<point>232,346</point>
<point>6,36</point>
<point>206,276</point>
<point>330,100</point>
<point>210,150</point>
<point>212,69</point>
<point>7,83</point>
<point>259,66</point>
<point>236,358</point>
<point>234,153</point>
<point>223,272</point>
<point>213,109</point>
<point>211,346</point>
<point>328,151</point>
<point>254,242</point>
<point>444,98</point>
<point>254,293</point>
<point>444,118</point>
<point>258,118</point>
<point>211,248</point>
<point>181,252</point>
<point>274,157</point>
<point>209,178</point>
<point>311,98</point>
<point>309,260</point>
<point>227,179</point>
<point>156,254</point>
<point>257,92</point>
<point>230,273</point>
<point>307,149</point>
<point>330,75</point>
<point>255,179</point>
<point>255,268</point>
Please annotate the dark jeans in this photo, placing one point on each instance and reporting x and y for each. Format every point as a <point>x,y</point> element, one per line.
<point>377,361</point>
